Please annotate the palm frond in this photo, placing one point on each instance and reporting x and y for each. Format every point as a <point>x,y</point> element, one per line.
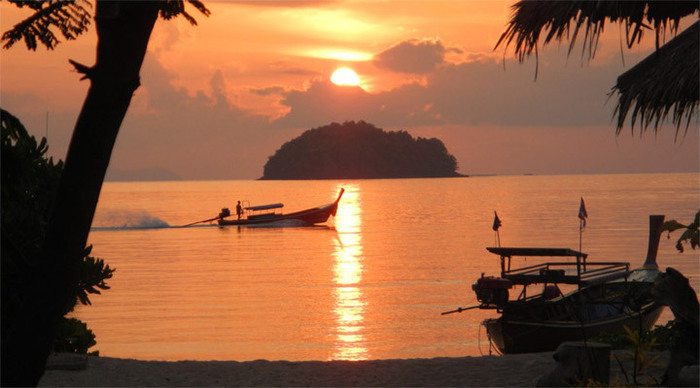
<point>565,20</point>
<point>663,84</point>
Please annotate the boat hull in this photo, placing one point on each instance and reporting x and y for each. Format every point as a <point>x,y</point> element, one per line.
<point>312,216</point>
<point>513,334</point>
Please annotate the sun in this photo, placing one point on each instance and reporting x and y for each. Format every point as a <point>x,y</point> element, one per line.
<point>345,76</point>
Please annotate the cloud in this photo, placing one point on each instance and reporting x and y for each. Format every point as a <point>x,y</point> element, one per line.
<point>479,110</point>
<point>196,136</point>
<point>478,92</point>
<point>413,56</point>
<point>324,102</point>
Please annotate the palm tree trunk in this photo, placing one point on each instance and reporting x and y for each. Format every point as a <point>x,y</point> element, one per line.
<point>123,31</point>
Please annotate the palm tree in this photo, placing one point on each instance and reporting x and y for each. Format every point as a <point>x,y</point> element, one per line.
<point>123,31</point>
<point>666,81</point>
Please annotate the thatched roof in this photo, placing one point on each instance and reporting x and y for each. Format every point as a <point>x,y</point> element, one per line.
<point>666,81</point>
<point>566,19</point>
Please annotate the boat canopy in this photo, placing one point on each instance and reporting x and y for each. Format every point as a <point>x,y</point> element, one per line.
<point>265,207</point>
<point>531,252</point>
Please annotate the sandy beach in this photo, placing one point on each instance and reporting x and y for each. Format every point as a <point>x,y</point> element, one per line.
<point>488,371</point>
<point>511,370</point>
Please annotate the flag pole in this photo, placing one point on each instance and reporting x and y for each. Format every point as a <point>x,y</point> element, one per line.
<point>580,235</point>
<point>582,215</point>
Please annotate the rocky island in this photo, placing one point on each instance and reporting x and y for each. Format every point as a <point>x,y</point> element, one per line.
<point>357,150</point>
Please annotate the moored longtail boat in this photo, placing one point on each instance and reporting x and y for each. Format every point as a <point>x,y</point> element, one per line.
<point>267,214</point>
<point>607,297</point>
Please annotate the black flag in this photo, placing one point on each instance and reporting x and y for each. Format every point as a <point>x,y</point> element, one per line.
<point>582,213</point>
<point>496,222</point>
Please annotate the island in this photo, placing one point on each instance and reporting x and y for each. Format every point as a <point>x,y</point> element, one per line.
<point>359,150</point>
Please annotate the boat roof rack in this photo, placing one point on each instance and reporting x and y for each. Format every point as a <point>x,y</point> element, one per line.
<point>578,272</point>
<point>544,252</point>
<point>265,207</point>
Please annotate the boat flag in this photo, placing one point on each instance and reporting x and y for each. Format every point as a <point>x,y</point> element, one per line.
<point>582,213</point>
<point>496,222</point>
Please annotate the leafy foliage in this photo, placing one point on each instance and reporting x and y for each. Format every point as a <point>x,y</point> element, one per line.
<point>29,181</point>
<point>72,18</point>
<point>659,338</point>
<point>638,365</point>
<point>93,274</point>
<point>690,235</point>
<point>173,8</point>
<point>73,336</point>
<point>359,150</point>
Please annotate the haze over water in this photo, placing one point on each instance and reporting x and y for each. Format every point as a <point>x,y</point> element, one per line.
<point>369,285</point>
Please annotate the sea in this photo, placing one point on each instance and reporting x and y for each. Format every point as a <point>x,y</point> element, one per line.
<point>371,283</point>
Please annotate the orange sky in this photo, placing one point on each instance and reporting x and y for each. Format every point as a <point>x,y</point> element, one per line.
<point>217,99</point>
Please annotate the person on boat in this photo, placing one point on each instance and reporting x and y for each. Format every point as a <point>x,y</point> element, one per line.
<point>239,210</point>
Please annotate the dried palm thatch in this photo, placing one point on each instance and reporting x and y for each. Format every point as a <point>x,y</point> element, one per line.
<point>567,19</point>
<point>666,81</point>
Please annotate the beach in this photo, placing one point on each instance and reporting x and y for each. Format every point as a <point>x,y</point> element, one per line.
<point>509,370</point>
<point>514,370</point>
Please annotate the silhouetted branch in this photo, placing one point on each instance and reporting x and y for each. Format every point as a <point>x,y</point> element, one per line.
<point>82,69</point>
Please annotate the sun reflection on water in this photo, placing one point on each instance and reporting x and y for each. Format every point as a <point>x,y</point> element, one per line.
<point>349,301</point>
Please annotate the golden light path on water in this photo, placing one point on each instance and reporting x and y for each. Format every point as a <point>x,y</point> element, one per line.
<point>349,302</point>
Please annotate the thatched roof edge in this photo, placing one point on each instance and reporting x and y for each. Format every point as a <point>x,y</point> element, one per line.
<point>559,20</point>
<point>666,82</point>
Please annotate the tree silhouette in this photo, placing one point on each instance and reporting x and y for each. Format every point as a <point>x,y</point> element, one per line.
<point>355,150</point>
<point>30,180</point>
<point>123,31</point>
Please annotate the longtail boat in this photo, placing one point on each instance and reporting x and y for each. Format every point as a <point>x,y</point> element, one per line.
<point>268,214</point>
<point>607,297</point>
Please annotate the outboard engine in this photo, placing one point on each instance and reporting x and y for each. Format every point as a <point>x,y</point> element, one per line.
<point>224,213</point>
<point>491,290</point>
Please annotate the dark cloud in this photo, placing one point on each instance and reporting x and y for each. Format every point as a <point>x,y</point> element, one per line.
<point>280,3</point>
<point>471,93</point>
<point>268,91</point>
<point>324,102</point>
<point>287,68</point>
<point>412,56</point>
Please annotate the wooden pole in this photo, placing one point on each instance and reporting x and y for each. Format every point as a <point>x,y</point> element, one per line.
<point>197,222</point>
<point>580,235</point>
<point>580,243</point>
<point>460,309</point>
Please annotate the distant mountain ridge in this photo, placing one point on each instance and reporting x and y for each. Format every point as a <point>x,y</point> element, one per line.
<point>357,150</point>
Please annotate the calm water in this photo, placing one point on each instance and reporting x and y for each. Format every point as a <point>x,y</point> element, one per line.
<point>369,285</point>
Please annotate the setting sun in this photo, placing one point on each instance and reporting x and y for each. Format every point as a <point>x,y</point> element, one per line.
<point>345,76</point>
